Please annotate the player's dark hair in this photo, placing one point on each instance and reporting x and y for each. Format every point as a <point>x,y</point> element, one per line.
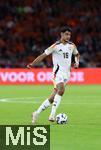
<point>64,29</point>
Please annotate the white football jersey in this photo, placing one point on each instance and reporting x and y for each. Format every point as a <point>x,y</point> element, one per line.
<point>62,55</point>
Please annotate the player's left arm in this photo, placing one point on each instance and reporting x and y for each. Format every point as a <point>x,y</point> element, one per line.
<point>76,56</point>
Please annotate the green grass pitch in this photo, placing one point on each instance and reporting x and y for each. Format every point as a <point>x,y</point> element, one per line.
<point>82,104</point>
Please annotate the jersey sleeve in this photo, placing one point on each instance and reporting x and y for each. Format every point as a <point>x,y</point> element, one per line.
<point>75,51</point>
<point>50,49</point>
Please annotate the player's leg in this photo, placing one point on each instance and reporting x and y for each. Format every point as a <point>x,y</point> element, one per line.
<point>57,99</point>
<point>47,102</point>
<point>44,105</point>
<point>51,97</point>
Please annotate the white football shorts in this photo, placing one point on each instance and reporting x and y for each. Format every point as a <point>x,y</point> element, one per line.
<point>60,77</point>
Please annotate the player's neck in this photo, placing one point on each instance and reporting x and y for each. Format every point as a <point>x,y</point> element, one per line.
<point>63,41</point>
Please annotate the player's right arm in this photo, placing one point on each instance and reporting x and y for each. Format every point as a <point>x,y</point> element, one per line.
<point>37,60</point>
<point>47,52</point>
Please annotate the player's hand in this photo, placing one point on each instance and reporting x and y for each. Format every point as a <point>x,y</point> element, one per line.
<point>76,65</point>
<point>29,66</point>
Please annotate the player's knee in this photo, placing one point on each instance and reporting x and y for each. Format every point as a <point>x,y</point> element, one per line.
<point>51,100</point>
<point>60,91</point>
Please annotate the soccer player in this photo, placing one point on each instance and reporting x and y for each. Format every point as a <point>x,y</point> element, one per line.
<point>61,52</point>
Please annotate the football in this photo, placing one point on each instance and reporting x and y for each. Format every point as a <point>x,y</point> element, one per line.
<point>61,118</point>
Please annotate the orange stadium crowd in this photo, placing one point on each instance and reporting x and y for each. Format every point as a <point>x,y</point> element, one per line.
<point>28,27</point>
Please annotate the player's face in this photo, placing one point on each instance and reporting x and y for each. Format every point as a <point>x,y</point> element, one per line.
<point>66,36</point>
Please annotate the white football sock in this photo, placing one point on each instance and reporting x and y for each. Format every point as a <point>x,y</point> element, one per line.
<point>43,106</point>
<point>56,103</point>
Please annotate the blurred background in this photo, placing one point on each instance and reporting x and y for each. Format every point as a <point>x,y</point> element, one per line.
<point>28,27</point>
